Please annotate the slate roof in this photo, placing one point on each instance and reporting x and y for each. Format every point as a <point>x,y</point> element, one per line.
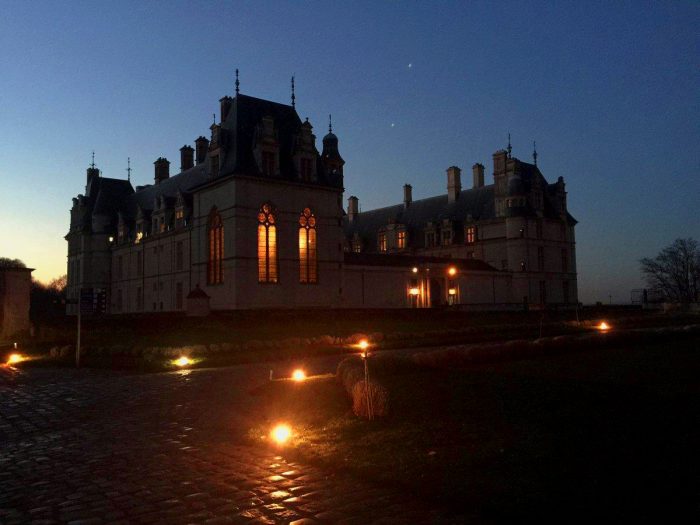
<point>475,204</point>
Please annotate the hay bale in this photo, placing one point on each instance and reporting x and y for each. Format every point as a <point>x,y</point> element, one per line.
<point>378,399</point>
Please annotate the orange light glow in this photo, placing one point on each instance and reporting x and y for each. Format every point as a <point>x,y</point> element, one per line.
<point>603,326</point>
<point>452,291</point>
<point>414,291</point>
<point>452,270</point>
<point>281,434</point>
<point>298,375</point>
<point>183,361</point>
<point>363,345</point>
<point>15,358</point>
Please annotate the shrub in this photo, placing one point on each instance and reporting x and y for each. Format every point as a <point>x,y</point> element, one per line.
<point>378,397</point>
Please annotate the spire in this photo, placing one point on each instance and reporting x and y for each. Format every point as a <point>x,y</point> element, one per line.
<point>93,159</point>
<point>293,97</point>
<point>128,169</point>
<point>534,152</point>
<point>237,82</point>
<point>509,147</point>
<point>330,124</point>
<point>213,116</point>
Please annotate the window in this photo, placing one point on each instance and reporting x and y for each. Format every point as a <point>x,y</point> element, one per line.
<point>430,239</point>
<point>305,169</point>
<point>179,256</point>
<point>522,266</point>
<point>540,258</point>
<point>356,246</point>
<point>161,227</point>
<point>179,217</point>
<point>268,163</point>
<point>121,232</point>
<point>543,292</point>
<point>382,242</point>
<point>214,165</point>
<point>178,296</point>
<point>446,237</point>
<point>267,245</point>
<point>470,234</point>
<point>215,270</point>
<point>401,239</point>
<point>564,261</point>
<point>308,267</point>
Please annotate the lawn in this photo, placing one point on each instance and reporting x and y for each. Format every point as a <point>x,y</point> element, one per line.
<point>604,434</point>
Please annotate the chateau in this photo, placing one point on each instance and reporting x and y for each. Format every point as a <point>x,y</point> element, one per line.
<point>254,218</point>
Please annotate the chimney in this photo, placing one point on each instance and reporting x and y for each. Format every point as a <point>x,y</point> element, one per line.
<point>454,183</point>
<point>478,171</point>
<point>225,107</point>
<point>353,205</point>
<point>201,145</point>
<point>499,162</point>
<point>407,195</point>
<point>162,171</point>
<point>186,157</point>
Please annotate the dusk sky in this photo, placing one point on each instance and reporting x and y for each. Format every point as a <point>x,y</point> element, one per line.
<point>610,91</point>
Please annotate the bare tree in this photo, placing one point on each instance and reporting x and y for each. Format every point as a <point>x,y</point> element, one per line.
<point>675,271</point>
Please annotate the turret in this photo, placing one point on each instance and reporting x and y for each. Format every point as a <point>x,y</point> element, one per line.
<point>330,155</point>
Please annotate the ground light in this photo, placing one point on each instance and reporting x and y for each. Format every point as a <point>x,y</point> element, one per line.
<point>281,434</point>
<point>15,358</point>
<point>452,270</point>
<point>298,375</point>
<point>183,361</point>
<point>603,326</point>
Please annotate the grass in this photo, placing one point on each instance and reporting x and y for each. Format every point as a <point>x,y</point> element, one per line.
<point>607,434</point>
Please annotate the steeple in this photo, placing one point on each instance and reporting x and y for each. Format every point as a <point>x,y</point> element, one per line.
<point>534,152</point>
<point>330,124</point>
<point>128,169</point>
<point>330,154</point>
<point>293,97</point>
<point>237,82</point>
<point>509,147</point>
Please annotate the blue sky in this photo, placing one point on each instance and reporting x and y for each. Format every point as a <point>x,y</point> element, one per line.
<point>609,90</point>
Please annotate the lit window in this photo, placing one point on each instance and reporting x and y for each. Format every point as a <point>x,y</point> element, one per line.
<point>382,242</point>
<point>267,245</point>
<point>308,268</point>
<point>471,234</point>
<point>215,270</point>
<point>401,240</point>
<point>356,246</point>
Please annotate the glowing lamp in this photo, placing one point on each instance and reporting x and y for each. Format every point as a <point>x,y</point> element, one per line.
<point>183,361</point>
<point>452,291</point>
<point>281,433</point>
<point>363,345</point>
<point>603,326</point>
<point>414,291</point>
<point>415,270</point>
<point>452,270</point>
<point>111,239</point>
<point>15,358</point>
<point>298,375</point>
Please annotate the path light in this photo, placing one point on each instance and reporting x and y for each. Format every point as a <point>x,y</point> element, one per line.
<point>415,269</point>
<point>281,433</point>
<point>183,361</point>
<point>603,326</point>
<point>298,375</point>
<point>452,270</point>
<point>414,291</point>
<point>452,291</point>
<point>15,358</point>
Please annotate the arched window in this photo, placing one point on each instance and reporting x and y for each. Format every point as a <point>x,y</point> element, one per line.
<point>267,245</point>
<point>308,268</point>
<point>215,231</point>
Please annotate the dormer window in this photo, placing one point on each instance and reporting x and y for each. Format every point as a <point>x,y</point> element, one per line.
<point>401,239</point>
<point>305,169</point>
<point>381,241</point>
<point>446,237</point>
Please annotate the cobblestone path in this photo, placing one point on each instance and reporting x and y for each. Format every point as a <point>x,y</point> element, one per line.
<point>90,447</point>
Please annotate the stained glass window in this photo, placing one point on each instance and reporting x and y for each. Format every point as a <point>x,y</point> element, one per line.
<point>267,245</point>
<point>308,266</point>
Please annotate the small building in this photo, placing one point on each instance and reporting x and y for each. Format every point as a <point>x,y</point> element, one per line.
<point>15,288</point>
